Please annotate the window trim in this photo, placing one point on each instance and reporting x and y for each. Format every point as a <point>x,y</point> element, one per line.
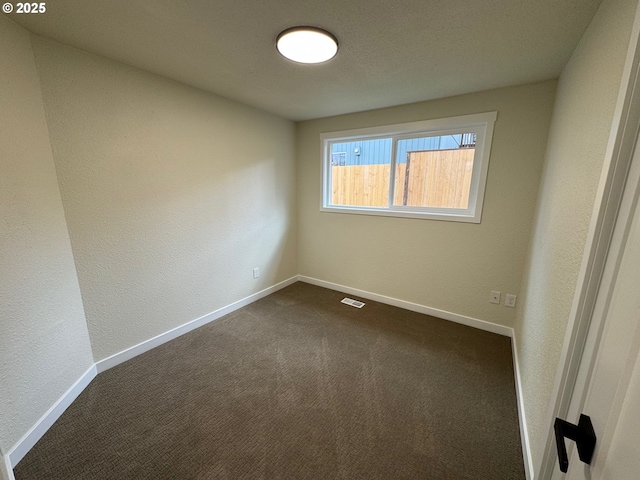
<point>479,123</point>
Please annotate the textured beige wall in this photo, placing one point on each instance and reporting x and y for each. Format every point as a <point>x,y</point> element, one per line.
<point>446,265</point>
<point>172,195</point>
<point>44,343</point>
<point>583,111</point>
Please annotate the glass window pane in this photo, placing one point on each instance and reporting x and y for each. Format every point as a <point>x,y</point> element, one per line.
<point>360,172</point>
<point>434,171</point>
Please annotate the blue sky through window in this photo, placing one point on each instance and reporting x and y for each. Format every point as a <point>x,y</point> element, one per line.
<point>378,151</point>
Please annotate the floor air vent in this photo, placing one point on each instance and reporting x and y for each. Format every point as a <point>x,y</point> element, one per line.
<point>352,302</point>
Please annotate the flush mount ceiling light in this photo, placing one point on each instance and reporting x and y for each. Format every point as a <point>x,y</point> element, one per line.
<point>307,45</point>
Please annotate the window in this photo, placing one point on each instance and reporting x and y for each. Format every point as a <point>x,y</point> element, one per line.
<point>434,169</point>
<point>338,159</point>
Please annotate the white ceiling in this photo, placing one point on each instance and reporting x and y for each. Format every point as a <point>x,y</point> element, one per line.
<point>391,51</point>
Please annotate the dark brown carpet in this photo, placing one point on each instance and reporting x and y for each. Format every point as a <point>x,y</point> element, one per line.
<point>297,386</point>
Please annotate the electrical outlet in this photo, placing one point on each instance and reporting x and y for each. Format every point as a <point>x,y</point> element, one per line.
<point>495,297</point>
<point>256,272</point>
<point>510,300</point>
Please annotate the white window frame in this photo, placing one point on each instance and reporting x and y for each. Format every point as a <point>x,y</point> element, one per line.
<point>481,124</point>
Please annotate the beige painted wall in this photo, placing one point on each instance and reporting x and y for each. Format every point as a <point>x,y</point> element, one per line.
<point>44,343</point>
<point>446,265</point>
<point>172,195</point>
<point>583,111</point>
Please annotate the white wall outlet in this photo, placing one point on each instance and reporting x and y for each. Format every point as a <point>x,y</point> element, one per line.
<point>256,272</point>
<point>510,300</point>
<point>495,297</point>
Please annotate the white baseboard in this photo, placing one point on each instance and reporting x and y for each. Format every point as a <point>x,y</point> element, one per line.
<point>524,434</point>
<point>6,472</point>
<point>40,428</point>
<point>414,307</point>
<point>147,345</point>
<point>36,432</point>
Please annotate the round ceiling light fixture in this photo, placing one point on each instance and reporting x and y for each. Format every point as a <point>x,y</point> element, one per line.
<point>307,45</point>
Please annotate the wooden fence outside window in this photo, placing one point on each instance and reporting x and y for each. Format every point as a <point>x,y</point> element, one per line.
<point>435,178</point>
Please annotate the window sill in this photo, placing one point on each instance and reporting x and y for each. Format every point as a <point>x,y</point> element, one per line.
<point>464,216</point>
